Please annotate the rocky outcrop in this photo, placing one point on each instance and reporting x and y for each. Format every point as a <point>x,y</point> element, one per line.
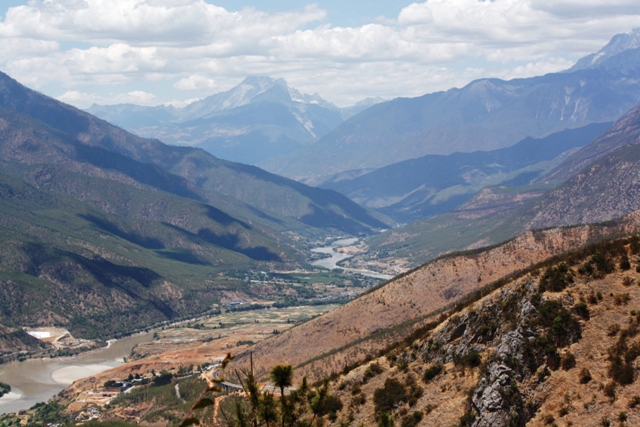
<point>347,334</point>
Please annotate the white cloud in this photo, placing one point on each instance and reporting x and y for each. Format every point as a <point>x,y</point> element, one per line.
<point>154,22</point>
<point>195,82</point>
<point>191,45</point>
<point>85,100</point>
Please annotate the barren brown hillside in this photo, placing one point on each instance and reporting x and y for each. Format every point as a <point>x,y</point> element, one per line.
<point>356,330</point>
<point>528,354</point>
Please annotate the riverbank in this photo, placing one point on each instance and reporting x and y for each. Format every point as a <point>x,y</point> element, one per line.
<point>37,380</point>
<point>336,257</point>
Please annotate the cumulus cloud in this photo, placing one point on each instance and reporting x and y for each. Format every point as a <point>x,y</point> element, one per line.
<point>71,47</point>
<point>195,82</point>
<point>85,100</point>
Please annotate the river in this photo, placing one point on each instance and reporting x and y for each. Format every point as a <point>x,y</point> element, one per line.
<point>38,380</point>
<point>332,262</point>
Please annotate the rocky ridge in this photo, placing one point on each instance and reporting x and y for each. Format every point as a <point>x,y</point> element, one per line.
<point>556,346</point>
<point>387,314</point>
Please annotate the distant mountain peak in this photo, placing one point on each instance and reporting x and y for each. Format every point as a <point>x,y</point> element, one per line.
<point>247,91</point>
<point>618,44</point>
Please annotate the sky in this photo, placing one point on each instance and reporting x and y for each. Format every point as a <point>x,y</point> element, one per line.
<point>153,52</point>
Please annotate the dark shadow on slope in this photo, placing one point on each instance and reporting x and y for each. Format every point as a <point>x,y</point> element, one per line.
<point>110,274</point>
<point>183,255</point>
<point>138,239</point>
<point>144,173</point>
<point>223,218</point>
<point>325,218</point>
<point>525,178</point>
<point>323,198</point>
<point>231,242</point>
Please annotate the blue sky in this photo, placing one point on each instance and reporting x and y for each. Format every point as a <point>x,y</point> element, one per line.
<point>175,51</point>
<point>339,13</point>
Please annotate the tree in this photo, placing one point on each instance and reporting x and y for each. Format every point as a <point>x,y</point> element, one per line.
<point>282,376</point>
<point>300,408</point>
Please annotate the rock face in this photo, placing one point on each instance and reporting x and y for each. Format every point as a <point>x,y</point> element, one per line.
<point>347,334</point>
<point>547,347</point>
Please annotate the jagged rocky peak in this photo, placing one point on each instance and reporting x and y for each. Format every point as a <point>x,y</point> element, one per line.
<point>618,44</point>
<point>247,92</point>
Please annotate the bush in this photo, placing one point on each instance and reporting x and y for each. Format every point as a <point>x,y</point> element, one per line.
<point>564,326</point>
<point>621,371</point>
<point>613,329</point>
<point>621,299</point>
<point>385,420</point>
<point>582,310</point>
<point>432,372</point>
<point>568,361</point>
<point>412,420</point>
<point>624,263</point>
<point>610,391</point>
<point>467,419</point>
<point>162,379</point>
<point>472,359</point>
<point>585,376</point>
<point>373,370</point>
<point>555,279</point>
<point>386,398</point>
<point>627,281</point>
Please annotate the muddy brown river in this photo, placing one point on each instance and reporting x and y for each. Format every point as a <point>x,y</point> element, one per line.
<point>38,380</point>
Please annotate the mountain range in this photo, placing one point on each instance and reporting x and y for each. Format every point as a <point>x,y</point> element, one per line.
<point>486,114</point>
<point>98,224</point>
<point>596,183</point>
<point>423,187</point>
<point>258,119</point>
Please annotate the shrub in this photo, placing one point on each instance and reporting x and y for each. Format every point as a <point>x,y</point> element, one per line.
<point>373,370</point>
<point>621,371</point>
<point>564,326</point>
<point>555,279</point>
<point>332,405</point>
<point>582,310</point>
<point>613,329</point>
<point>621,299</point>
<point>624,263</point>
<point>162,379</point>
<point>467,419</point>
<point>634,245</point>
<point>472,359</point>
<point>634,402</point>
<point>568,361</point>
<point>386,398</point>
<point>412,420</point>
<point>602,263</point>
<point>584,376</point>
<point>432,372</point>
<point>358,400</point>
<point>414,391</point>
<point>610,391</point>
<point>385,420</point>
